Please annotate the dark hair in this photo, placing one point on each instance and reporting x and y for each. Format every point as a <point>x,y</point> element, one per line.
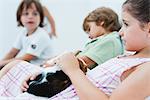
<point>26,4</point>
<point>110,18</point>
<point>139,9</point>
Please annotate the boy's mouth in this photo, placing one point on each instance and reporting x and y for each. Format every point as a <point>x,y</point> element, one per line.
<point>30,22</point>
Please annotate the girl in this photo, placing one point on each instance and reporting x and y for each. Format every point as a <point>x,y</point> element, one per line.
<point>33,44</point>
<point>121,78</point>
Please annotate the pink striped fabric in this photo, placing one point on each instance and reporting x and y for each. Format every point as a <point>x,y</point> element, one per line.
<point>106,77</point>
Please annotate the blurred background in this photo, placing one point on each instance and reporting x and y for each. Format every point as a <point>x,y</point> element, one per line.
<point>68,16</point>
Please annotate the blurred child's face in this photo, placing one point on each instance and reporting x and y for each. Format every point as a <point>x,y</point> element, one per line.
<point>134,37</point>
<point>94,30</point>
<point>30,17</point>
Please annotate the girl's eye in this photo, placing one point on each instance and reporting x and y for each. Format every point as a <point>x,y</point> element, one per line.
<point>125,24</point>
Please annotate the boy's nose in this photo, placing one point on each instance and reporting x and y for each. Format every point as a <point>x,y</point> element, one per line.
<point>121,32</point>
<point>30,15</point>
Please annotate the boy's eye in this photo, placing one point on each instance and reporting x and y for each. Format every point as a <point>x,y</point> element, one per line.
<point>25,13</point>
<point>35,13</point>
<point>87,29</point>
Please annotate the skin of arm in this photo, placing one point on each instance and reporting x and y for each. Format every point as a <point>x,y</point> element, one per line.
<point>86,59</point>
<point>11,57</point>
<point>129,89</point>
<point>89,62</point>
<point>51,21</point>
<point>11,54</point>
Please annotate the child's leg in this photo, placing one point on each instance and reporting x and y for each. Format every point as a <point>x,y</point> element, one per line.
<point>14,75</point>
<point>6,68</point>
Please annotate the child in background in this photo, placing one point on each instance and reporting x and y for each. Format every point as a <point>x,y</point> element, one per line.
<point>102,28</point>
<point>51,22</point>
<point>101,25</point>
<point>33,45</point>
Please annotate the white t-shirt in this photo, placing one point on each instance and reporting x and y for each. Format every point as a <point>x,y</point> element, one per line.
<point>37,44</point>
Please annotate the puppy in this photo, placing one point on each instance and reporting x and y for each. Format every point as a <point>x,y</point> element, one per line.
<point>50,83</point>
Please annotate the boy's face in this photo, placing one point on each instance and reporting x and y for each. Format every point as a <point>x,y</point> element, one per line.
<point>94,31</point>
<point>30,17</point>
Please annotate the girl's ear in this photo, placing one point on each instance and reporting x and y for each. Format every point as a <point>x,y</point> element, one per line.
<point>148,28</point>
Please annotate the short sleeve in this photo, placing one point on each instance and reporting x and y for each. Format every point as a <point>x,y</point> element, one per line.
<point>37,46</point>
<point>101,51</point>
<point>18,43</point>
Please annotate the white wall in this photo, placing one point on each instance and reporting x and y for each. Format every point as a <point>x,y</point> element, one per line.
<point>68,15</point>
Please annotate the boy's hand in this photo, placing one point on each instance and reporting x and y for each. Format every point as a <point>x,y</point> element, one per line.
<point>50,63</point>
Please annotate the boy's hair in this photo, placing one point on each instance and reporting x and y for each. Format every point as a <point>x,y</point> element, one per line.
<point>139,9</point>
<point>27,4</point>
<point>103,14</point>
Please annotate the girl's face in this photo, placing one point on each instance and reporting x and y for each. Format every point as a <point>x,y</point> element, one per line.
<point>30,18</point>
<point>94,30</point>
<point>134,36</point>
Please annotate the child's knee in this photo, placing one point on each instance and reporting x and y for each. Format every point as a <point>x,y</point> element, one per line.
<point>15,62</point>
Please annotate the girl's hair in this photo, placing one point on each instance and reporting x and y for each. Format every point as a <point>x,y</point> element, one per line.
<point>103,14</point>
<point>139,9</point>
<point>27,4</point>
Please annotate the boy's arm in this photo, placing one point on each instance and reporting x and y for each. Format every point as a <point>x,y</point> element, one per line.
<point>51,21</point>
<point>89,62</point>
<point>11,54</point>
<point>26,57</point>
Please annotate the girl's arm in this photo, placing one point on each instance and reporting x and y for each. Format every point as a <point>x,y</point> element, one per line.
<point>85,89</point>
<point>51,21</point>
<point>134,87</point>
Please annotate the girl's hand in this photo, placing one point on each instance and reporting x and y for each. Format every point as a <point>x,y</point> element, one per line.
<point>25,84</point>
<point>68,63</point>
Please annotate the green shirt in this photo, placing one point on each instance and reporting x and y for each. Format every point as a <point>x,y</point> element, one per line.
<point>103,48</point>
